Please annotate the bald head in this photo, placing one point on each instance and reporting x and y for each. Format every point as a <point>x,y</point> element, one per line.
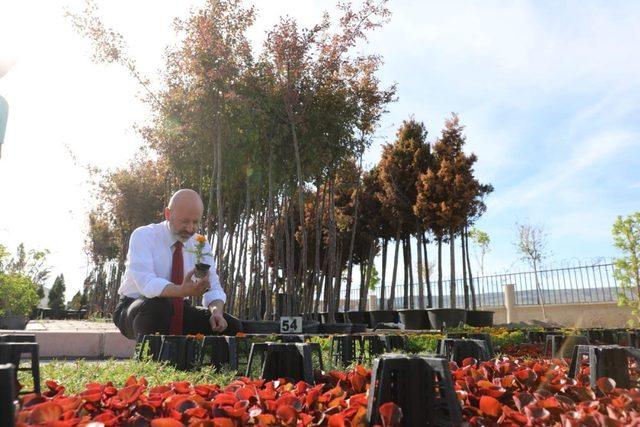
<point>184,213</point>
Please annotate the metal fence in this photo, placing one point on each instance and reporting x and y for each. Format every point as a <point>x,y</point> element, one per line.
<point>570,285</point>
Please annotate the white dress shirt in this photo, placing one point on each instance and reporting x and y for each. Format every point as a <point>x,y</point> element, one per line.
<point>149,260</point>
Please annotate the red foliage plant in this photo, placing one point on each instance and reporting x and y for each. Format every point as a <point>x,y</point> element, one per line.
<point>340,400</point>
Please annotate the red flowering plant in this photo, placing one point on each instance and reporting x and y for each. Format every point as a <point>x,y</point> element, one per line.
<point>341,401</point>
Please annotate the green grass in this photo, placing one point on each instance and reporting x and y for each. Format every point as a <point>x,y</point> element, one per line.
<point>74,375</point>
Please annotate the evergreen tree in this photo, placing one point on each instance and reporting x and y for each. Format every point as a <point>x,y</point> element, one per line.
<point>56,294</point>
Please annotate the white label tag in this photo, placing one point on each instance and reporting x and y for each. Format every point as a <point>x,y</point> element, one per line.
<point>291,325</point>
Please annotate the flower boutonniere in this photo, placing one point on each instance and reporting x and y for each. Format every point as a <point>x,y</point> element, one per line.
<point>199,251</point>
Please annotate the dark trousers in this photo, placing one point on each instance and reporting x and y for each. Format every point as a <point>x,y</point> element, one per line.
<point>136,317</point>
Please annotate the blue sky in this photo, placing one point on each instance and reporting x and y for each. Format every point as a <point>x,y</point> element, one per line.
<point>549,93</point>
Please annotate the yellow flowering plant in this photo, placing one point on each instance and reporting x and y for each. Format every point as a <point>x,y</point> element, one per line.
<point>199,251</point>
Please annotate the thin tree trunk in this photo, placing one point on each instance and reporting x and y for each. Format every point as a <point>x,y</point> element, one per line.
<point>420,269</point>
<point>440,295</point>
<point>427,271</point>
<point>412,303</point>
<point>392,292</point>
<point>354,226</point>
<point>332,252</point>
<point>465,285</point>
<point>471,286</point>
<point>267,246</point>
<point>383,281</point>
<point>220,218</point>
<point>365,286</point>
<point>405,288</point>
<point>540,295</point>
<point>300,198</point>
<point>316,262</point>
<point>452,259</point>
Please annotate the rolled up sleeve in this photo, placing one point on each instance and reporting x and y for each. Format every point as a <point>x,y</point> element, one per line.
<point>140,266</point>
<point>216,292</point>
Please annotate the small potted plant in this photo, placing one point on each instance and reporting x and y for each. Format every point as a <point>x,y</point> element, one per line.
<point>18,298</point>
<point>199,251</point>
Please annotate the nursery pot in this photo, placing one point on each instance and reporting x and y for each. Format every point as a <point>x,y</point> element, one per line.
<point>260,327</point>
<point>479,318</point>
<point>201,269</point>
<point>446,317</point>
<point>414,319</point>
<point>382,316</point>
<point>359,317</point>
<point>14,321</point>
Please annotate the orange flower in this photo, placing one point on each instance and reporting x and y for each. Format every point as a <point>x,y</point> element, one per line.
<point>200,238</point>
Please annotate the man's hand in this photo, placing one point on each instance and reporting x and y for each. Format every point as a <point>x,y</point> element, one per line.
<point>217,322</point>
<point>191,288</point>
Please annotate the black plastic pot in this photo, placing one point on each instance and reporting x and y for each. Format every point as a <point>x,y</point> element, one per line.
<point>414,319</point>
<point>446,317</point>
<point>338,316</point>
<point>479,318</point>
<point>359,317</point>
<point>310,327</point>
<point>14,321</point>
<point>260,327</point>
<point>382,316</point>
<point>201,269</point>
<point>341,328</point>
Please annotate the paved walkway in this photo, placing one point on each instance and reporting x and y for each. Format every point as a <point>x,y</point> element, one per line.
<point>78,339</point>
<point>70,325</point>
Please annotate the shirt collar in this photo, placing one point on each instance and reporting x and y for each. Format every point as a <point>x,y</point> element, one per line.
<point>169,238</point>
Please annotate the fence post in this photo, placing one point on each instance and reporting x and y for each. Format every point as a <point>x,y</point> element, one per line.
<point>510,303</point>
<point>373,302</point>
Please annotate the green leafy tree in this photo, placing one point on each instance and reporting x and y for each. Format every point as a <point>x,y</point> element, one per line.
<point>481,241</point>
<point>56,294</point>
<point>76,302</point>
<point>626,237</point>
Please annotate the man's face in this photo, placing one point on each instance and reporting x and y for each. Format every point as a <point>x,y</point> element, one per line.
<point>184,220</point>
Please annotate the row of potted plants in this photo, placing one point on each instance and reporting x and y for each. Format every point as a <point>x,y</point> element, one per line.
<point>431,318</point>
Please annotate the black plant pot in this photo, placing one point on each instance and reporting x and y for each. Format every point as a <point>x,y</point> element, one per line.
<point>310,327</point>
<point>342,328</point>
<point>414,319</point>
<point>260,327</point>
<point>359,317</point>
<point>446,317</point>
<point>201,269</point>
<point>338,317</point>
<point>382,316</point>
<point>479,318</point>
<point>14,321</point>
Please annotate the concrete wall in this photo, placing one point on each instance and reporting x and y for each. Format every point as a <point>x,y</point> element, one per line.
<point>602,314</point>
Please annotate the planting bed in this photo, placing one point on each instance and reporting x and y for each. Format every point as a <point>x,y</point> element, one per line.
<point>520,387</point>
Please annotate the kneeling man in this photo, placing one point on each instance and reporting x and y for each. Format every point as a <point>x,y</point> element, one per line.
<point>159,278</point>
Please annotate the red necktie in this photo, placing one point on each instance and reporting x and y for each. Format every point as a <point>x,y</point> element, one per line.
<point>177,276</point>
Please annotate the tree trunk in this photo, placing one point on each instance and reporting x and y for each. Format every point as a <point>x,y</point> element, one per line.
<point>320,205</point>
<point>364,292</point>
<point>465,285</point>
<point>300,198</point>
<point>267,246</point>
<point>383,281</point>
<point>392,292</point>
<point>347,297</point>
<point>405,288</point>
<point>220,218</point>
<point>471,286</point>
<point>452,258</point>
<point>412,303</point>
<point>427,271</point>
<point>332,253</point>
<point>440,295</point>
<point>420,269</point>
<point>540,294</point>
